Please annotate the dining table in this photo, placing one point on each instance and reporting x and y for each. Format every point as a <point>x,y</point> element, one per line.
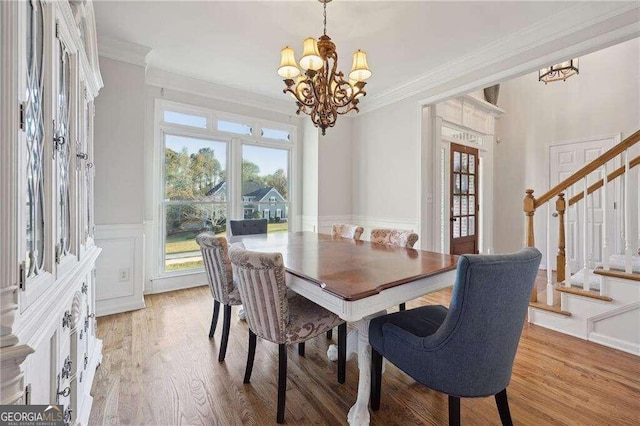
<point>356,280</point>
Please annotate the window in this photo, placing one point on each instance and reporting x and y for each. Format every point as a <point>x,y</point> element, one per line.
<point>185,119</point>
<point>282,135</point>
<point>195,194</point>
<point>212,171</point>
<point>265,175</point>
<point>231,127</point>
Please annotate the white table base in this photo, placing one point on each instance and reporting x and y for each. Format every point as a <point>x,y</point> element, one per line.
<point>358,341</point>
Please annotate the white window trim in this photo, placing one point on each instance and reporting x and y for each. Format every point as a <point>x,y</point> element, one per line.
<point>235,142</point>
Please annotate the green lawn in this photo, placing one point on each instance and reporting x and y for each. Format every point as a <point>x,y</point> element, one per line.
<point>186,241</point>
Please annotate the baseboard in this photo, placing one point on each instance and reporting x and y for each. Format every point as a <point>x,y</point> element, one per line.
<point>612,342</point>
<point>177,282</point>
<point>115,306</point>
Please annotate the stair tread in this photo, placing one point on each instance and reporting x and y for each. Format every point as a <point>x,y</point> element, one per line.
<point>581,292</point>
<point>617,274</point>
<point>555,309</point>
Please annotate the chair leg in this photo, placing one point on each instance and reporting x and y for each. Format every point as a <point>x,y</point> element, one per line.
<point>301,348</point>
<point>214,320</point>
<point>454,411</point>
<point>342,352</point>
<point>226,325</point>
<point>250,357</point>
<point>282,381</point>
<point>503,408</point>
<point>330,334</point>
<point>376,379</point>
<point>402,307</point>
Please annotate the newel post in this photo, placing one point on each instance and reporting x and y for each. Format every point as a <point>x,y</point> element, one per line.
<point>561,260</point>
<point>529,207</point>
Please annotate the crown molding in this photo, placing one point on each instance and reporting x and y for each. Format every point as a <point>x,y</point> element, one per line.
<point>123,51</point>
<point>168,80</point>
<point>567,23</point>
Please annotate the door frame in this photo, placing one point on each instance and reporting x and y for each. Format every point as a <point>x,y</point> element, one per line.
<point>476,194</point>
<point>616,138</point>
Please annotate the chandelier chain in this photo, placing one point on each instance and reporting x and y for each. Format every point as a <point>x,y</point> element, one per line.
<point>325,17</point>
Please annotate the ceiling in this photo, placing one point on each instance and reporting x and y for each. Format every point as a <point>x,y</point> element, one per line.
<point>237,43</point>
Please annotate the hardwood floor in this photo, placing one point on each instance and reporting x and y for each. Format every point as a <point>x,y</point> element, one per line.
<point>160,368</point>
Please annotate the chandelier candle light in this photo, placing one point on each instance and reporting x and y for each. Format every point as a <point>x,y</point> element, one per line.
<point>322,92</point>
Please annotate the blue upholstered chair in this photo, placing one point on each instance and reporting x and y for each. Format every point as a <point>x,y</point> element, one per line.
<point>248,226</point>
<point>467,350</point>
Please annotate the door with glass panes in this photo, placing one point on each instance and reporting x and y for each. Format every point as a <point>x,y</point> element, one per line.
<point>464,200</point>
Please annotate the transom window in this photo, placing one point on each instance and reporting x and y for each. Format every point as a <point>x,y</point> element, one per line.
<point>214,170</point>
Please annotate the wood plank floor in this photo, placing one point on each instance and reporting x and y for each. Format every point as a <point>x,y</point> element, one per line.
<point>160,368</point>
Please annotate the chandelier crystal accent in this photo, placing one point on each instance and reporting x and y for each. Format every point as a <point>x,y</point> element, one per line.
<point>322,91</point>
<point>561,71</point>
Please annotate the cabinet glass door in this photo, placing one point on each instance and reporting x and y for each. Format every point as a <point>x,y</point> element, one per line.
<point>34,130</point>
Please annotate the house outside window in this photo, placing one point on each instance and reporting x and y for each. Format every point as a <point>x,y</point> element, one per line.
<point>213,168</point>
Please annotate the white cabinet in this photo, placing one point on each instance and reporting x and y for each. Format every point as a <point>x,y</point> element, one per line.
<point>48,81</point>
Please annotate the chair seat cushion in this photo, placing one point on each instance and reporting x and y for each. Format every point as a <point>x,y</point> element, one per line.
<point>421,322</point>
<point>307,320</point>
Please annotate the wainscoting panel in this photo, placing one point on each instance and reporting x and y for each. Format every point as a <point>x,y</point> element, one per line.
<point>120,268</point>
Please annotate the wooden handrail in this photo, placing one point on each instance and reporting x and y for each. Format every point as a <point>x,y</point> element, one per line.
<point>611,176</point>
<point>594,165</point>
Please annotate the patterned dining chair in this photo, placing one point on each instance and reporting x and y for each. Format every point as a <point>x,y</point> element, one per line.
<point>279,315</point>
<point>347,231</point>
<point>220,278</point>
<point>396,238</point>
<point>466,351</point>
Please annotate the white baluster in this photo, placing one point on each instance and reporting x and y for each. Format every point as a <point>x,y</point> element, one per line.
<point>585,236</point>
<point>592,256</point>
<point>549,267</point>
<point>568,241</point>
<point>638,211</point>
<point>627,218</point>
<point>605,222</point>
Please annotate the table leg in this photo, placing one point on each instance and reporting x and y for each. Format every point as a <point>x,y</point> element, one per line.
<point>359,413</point>
<point>352,347</point>
<point>241,314</point>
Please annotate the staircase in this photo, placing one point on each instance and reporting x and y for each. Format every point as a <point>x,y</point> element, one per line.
<point>599,302</point>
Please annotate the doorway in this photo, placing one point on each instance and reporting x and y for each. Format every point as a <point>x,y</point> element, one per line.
<point>464,200</point>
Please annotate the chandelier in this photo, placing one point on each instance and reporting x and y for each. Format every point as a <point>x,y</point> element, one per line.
<point>322,91</point>
<point>561,71</point>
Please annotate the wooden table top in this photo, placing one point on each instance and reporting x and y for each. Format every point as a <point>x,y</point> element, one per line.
<point>351,270</point>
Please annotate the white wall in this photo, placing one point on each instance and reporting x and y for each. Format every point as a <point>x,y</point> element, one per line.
<point>119,144</point>
<point>309,169</point>
<point>119,187</point>
<point>334,169</point>
<point>602,100</point>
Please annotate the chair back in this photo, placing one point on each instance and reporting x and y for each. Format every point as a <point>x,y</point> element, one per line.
<point>248,226</point>
<point>347,231</point>
<point>216,265</point>
<point>263,290</point>
<point>394,237</point>
<point>479,337</point>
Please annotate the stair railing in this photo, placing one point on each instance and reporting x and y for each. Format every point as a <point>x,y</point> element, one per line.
<point>531,204</point>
